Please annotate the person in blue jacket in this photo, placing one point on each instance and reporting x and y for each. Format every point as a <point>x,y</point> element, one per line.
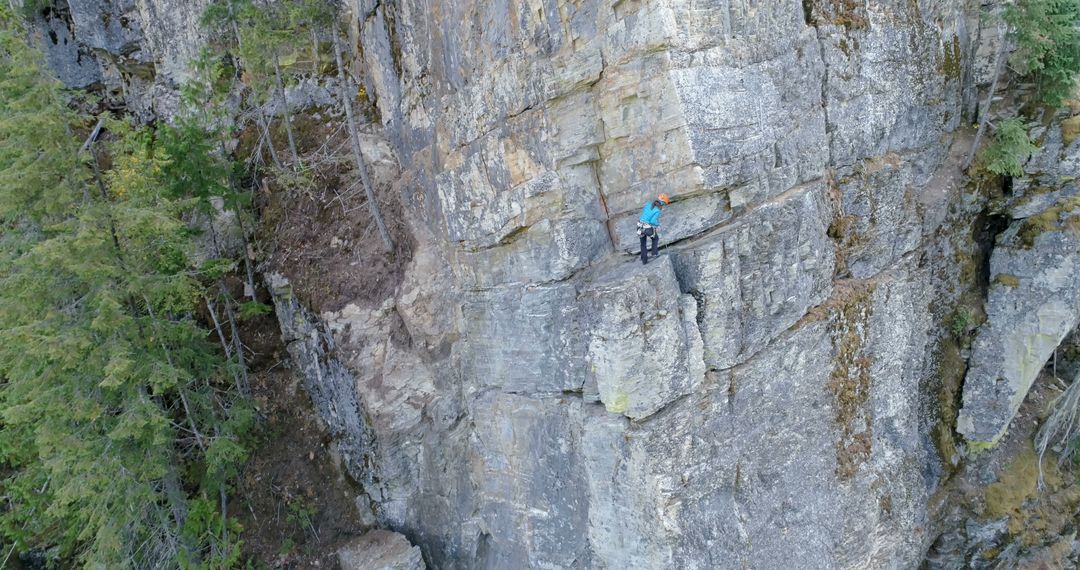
<point>649,226</point>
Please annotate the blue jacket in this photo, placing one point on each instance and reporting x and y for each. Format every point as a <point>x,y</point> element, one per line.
<point>650,214</point>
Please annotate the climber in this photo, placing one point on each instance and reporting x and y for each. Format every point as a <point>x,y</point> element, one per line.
<point>648,226</point>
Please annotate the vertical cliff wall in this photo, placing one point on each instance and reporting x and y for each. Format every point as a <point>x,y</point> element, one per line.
<point>756,397</point>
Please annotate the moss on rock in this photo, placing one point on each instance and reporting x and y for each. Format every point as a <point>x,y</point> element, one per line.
<point>1065,216</point>
<point>850,381</point>
<point>1007,280</point>
<point>1070,128</point>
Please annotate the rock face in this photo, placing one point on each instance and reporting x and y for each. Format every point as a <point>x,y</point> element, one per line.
<point>381,550</point>
<point>1034,296</point>
<point>137,50</point>
<point>752,398</point>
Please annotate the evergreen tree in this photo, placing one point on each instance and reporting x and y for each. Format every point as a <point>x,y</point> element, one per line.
<point>1047,44</point>
<point>118,425</point>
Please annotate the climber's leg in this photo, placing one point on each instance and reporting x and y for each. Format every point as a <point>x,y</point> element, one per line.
<point>644,250</point>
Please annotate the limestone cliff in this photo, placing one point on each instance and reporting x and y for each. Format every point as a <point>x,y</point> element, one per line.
<point>766,394</point>
<point>755,399</point>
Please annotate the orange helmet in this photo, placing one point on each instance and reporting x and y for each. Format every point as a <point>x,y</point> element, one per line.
<point>664,198</point>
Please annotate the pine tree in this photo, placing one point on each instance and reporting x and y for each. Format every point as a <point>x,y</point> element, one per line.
<point>111,396</point>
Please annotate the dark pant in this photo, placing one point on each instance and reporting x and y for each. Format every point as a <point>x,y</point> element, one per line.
<point>655,246</point>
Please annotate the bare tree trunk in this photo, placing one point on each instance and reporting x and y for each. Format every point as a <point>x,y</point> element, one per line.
<point>217,327</point>
<point>314,53</point>
<point>345,89</point>
<point>984,114</point>
<point>237,345</point>
<point>261,120</point>
<point>249,287</point>
<point>285,110</point>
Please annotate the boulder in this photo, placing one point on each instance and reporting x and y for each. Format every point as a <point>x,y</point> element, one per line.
<point>381,550</point>
<point>1033,303</point>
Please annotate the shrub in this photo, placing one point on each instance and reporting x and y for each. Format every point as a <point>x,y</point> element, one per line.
<point>1010,149</point>
<point>1047,45</point>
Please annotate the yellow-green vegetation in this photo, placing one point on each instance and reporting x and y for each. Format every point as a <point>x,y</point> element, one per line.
<point>1033,513</point>
<point>1064,216</point>
<point>850,381</point>
<point>951,60</point>
<point>1070,128</point>
<point>1009,150</point>
<point>122,422</point>
<point>963,318</point>
<point>1007,280</point>
<point>951,370</point>
<point>618,402</point>
<point>1018,482</point>
<point>846,13</point>
<point>1047,45</point>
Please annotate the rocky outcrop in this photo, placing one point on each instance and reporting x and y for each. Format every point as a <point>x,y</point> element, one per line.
<point>138,51</point>
<point>1034,302</point>
<point>327,380</point>
<point>1034,292</point>
<point>381,550</point>
<point>749,399</point>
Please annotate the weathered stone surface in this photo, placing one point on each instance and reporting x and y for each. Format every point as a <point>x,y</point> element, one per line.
<point>72,62</point>
<point>1050,175</point>
<point>139,50</point>
<point>526,466</point>
<point>877,223</point>
<point>525,339</point>
<point>799,458</point>
<point>759,275</point>
<point>644,347</point>
<point>381,550</point>
<point>329,383</point>
<point>107,25</point>
<point>893,73</point>
<point>1034,293</point>
<point>1034,301</point>
<point>551,407</point>
<point>758,129</point>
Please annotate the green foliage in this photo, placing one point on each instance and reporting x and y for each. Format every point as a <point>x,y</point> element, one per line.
<point>961,321</point>
<point>301,513</point>
<point>286,548</point>
<point>110,392</point>
<point>256,34</point>
<point>1047,45</point>
<point>1009,150</point>
<point>205,525</point>
<point>253,309</point>
<point>38,156</point>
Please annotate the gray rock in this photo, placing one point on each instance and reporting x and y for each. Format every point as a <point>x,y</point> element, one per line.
<point>72,62</point>
<point>747,400</point>
<point>644,347</point>
<point>1034,297</point>
<point>329,383</point>
<point>547,339</point>
<point>527,470</point>
<point>769,466</point>
<point>380,550</point>
<point>756,277</point>
<point>877,223</point>
<point>108,25</point>
<point>1034,301</point>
